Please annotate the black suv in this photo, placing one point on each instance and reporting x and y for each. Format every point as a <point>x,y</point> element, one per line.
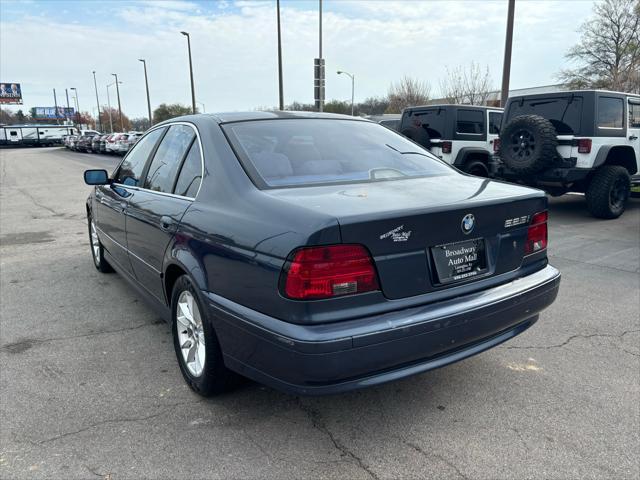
<point>573,141</point>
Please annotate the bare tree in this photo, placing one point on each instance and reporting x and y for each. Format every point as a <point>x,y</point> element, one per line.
<point>608,54</point>
<point>471,85</point>
<point>408,92</point>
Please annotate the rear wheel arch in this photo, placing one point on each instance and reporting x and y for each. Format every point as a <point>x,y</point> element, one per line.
<point>171,275</point>
<point>619,155</point>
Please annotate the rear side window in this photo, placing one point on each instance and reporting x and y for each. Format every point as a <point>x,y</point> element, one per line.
<point>470,122</point>
<point>564,113</point>
<point>433,121</point>
<point>610,112</point>
<point>634,115</point>
<point>495,119</point>
<point>299,152</point>
<point>166,161</point>
<point>132,166</point>
<point>191,173</point>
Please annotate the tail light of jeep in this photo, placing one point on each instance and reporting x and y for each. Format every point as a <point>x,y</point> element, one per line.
<point>446,147</point>
<point>584,145</point>
<point>496,145</point>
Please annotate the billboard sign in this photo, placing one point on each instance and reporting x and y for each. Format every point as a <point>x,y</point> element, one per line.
<point>10,94</point>
<point>50,112</point>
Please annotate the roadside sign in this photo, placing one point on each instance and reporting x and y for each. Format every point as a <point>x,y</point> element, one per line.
<point>10,94</point>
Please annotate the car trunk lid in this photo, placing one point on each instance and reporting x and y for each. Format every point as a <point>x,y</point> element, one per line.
<point>414,228</point>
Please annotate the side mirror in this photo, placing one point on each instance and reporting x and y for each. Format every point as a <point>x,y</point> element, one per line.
<point>96,177</point>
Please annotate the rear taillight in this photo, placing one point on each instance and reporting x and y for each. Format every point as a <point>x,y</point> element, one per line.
<point>496,145</point>
<point>537,234</point>
<point>584,145</point>
<point>446,147</point>
<point>332,271</point>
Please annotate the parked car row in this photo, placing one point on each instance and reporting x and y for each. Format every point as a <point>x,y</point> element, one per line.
<point>113,143</point>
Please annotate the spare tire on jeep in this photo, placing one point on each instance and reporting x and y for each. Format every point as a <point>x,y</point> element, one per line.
<point>528,144</point>
<point>418,135</point>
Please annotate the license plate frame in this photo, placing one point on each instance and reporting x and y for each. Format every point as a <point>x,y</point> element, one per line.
<point>459,261</point>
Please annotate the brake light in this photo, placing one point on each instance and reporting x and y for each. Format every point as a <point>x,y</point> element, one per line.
<point>331,271</point>
<point>537,234</point>
<point>496,145</point>
<point>446,147</point>
<point>584,145</point>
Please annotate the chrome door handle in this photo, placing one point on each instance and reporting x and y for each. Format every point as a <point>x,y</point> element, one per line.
<point>633,137</point>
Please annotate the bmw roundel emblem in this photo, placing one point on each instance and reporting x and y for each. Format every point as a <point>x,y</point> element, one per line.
<point>468,222</point>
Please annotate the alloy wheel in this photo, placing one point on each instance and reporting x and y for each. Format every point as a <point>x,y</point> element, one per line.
<point>95,243</point>
<point>190,333</point>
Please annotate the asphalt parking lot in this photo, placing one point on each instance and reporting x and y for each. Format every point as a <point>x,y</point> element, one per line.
<point>90,388</point>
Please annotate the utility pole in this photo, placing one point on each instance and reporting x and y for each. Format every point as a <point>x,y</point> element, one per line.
<point>55,102</point>
<point>321,60</point>
<point>66,91</point>
<point>280,88</point>
<point>193,92</point>
<point>146,82</point>
<point>78,117</point>
<point>352,86</point>
<point>508,42</point>
<point>119,106</point>
<point>109,107</point>
<point>98,123</point>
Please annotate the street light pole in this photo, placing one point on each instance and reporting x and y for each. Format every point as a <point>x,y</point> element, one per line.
<point>352,86</point>
<point>146,82</point>
<point>109,107</point>
<point>78,117</point>
<point>280,87</point>
<point>99,123</point>
<point>119,106</point>
<point>508,42</point>
<point>203,108</point>
<point>193,92</point>
<point>66,91</point>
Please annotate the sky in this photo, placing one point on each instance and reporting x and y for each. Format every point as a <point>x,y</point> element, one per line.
<point>57,44</point>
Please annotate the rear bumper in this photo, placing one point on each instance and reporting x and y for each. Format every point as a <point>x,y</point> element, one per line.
<point>564,173</point>
<point>343,356</point>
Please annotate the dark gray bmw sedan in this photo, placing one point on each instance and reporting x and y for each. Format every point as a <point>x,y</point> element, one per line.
<point>317,253</point>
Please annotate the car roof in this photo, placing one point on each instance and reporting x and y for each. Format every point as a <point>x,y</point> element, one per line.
<point>453,105</point>
<point>570,92</point>
<point>227,117</point>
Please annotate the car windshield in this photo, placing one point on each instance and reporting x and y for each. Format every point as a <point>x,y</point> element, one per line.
<point>298,152</point>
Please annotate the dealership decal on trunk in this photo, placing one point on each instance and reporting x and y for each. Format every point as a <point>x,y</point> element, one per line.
<point>397,234</point>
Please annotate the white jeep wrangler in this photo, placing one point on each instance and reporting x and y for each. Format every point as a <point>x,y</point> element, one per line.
<point>578,141</point>
<point>461,135</point>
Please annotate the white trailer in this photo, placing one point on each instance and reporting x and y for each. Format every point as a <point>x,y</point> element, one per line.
<point>34,135</point>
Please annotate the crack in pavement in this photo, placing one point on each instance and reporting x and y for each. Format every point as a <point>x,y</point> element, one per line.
<point>22,345</point>
<point>38,204</point>
<point>439,457</point>
<point>569,340</point>
<point>165,410</point>
<point>318,423</point>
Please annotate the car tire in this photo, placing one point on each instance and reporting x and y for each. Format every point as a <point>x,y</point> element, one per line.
<point>608,192</point>
<point>194,337</point>
<point>97,250</point>
<point>528,144</point>
<point>477,168</point>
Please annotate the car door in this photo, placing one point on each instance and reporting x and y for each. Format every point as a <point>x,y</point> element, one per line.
<point>112,200</point>
<point>155,211</point>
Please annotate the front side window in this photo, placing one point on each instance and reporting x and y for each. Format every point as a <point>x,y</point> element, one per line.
<point>495,119</point>
<point>634,115</point>
<point>301,152</point>
<point>470,122</point>
<point>132,166</point>
<point>164,167</point>
<point>610,112</point>
<point>191,173</point>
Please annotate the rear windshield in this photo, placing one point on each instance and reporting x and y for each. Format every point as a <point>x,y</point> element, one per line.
<point>433,121</point>
<point>563,112</point>
<point>298,152</point>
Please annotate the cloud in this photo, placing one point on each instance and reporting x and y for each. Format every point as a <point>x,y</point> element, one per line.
<point>234,48</point>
